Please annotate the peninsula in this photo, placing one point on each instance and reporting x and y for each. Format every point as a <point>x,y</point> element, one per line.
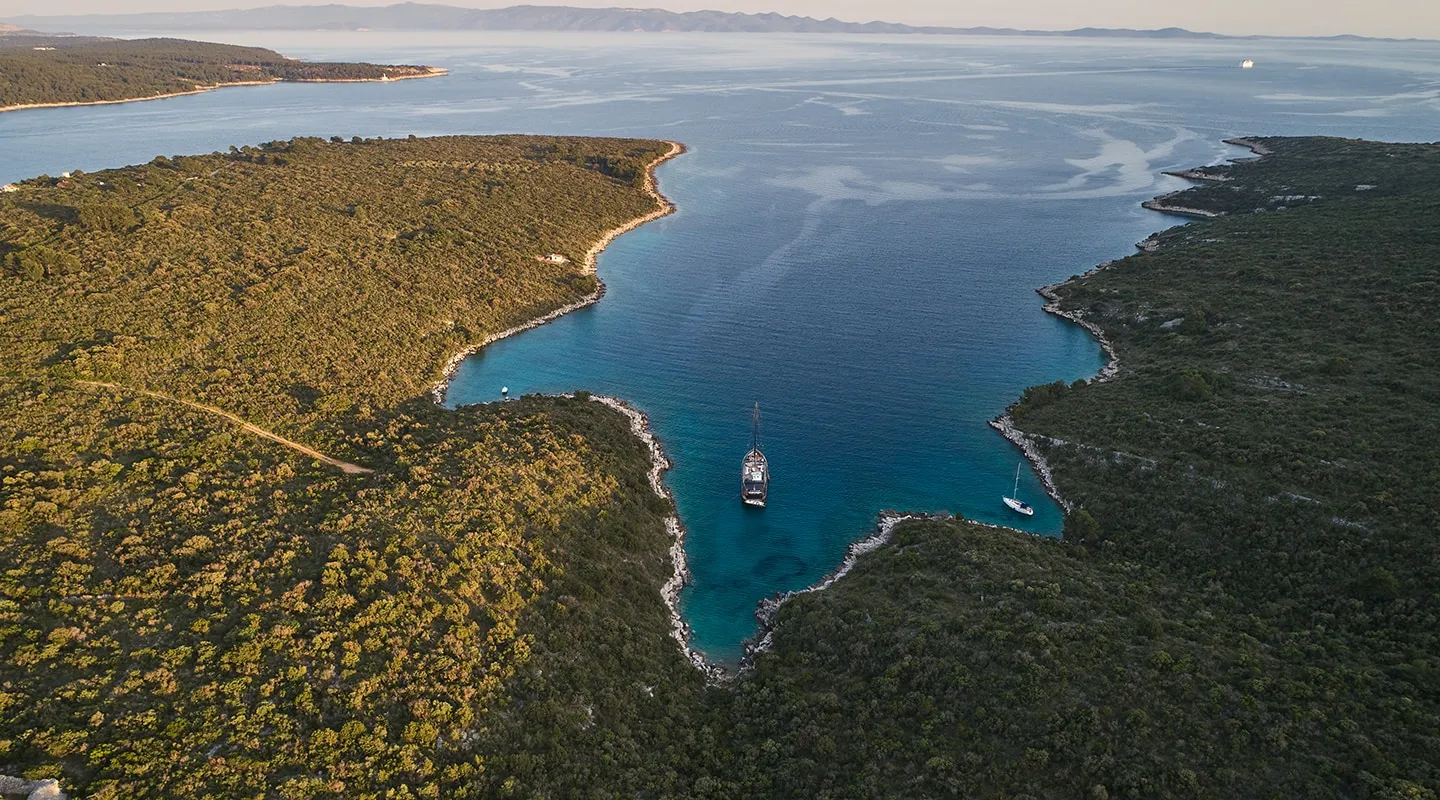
<point>40,70</point>
<point>243,550</point>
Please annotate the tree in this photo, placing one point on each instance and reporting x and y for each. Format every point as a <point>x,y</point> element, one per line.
<point>109,217</point>
<point>1082,528</point>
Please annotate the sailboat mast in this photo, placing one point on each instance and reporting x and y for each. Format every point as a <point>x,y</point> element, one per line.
<point>1016,491</point>
<point>755,429</point>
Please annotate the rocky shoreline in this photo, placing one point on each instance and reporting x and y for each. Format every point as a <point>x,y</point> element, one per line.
<point>437,392</point>
<point>1005,423</point>
<point>652,188</point>
<point>1252,145</point>
<point>447,372</point>
<point>1005,426</point>
<point>431,72</point>
<point>659,464</point>
<point>639,423</point>
<point>768,609</point>
<point>1198,174</point>
<point>1162,205</point>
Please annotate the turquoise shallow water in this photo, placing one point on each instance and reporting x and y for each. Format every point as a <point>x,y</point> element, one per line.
<point>862,223</point>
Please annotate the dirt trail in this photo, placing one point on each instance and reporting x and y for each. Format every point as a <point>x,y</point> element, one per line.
<point>345,466</point>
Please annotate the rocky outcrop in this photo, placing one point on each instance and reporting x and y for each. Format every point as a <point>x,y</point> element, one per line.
<point>1052,306</point>
<point>1164,206</point>
<point>1203,174</point>
<point>1253,145</point>
<point>45,789</point>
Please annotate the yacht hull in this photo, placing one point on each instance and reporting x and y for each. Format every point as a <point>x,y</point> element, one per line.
<point>1019,507</point>
<point>754,479</point>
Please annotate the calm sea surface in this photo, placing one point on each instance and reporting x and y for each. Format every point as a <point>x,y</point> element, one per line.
<point>862,224</point>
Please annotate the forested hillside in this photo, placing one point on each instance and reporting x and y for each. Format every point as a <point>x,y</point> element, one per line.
<point>40,69</point>
<point>188,610</point>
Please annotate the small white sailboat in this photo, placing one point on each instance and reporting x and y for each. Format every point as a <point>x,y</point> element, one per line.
<point>1247,64</point>
<point>1014,502</point>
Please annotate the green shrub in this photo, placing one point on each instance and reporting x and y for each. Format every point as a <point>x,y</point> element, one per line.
<point>39,262</point>
<point>109,217</point>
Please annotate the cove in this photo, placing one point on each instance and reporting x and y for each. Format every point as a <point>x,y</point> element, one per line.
<point>879,341</point>
<point>862,222</point>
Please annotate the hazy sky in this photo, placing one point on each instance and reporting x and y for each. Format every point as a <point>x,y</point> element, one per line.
<point>1401,18</point>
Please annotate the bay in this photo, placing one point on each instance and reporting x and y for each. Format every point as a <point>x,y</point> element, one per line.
<point>861,225</point>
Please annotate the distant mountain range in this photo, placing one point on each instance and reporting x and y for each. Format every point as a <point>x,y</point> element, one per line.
<point>428,17</point>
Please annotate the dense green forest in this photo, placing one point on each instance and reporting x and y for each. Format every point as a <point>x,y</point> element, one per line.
<point>39,69</point>
<point>188,610</point>
<point>1243,604</point>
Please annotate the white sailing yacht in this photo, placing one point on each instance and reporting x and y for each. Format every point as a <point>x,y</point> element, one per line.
<point>1013,501</point>
<point>755,470</point>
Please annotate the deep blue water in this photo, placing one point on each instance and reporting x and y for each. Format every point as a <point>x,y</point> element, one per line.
<point>862,222</point>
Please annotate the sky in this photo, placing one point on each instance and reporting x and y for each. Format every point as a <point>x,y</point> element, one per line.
<point>1397,18</point>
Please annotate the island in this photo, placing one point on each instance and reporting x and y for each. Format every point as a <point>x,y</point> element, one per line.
<point>40,70</point>
<point>248,554</point>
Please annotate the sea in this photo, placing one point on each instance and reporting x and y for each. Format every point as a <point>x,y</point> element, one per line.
<point>862,223</point>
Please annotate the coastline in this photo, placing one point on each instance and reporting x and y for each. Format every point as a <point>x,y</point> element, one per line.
<point>1160,203</point>
<point>587,265</point>
<point>435,72</point>
<point>768,610</point>
<point>1251,144</point>
<point>660,464</point>
<point>639,422</point>
<point>1198,174</point>
<point>652,188</point>
<point>1005,423</point>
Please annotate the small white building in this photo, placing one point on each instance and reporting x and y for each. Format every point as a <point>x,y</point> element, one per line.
<point>555,258</point>
<point>9,187</point>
